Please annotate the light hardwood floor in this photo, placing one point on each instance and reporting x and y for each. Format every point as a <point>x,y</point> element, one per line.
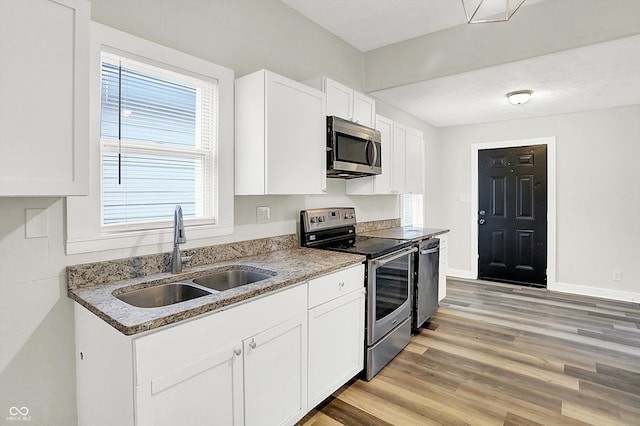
<point>498,354</point>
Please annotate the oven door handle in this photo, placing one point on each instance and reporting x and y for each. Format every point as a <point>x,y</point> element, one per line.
<point>429,251</point>
<point>386,260</point>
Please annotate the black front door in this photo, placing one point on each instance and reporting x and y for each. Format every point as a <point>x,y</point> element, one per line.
<point>512,214</point>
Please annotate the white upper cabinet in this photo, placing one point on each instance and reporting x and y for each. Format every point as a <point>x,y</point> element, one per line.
<point>413,183</point>
<point>399,158</point>
<point>344,102</point>
<point>402,162</point>
<point>44,46</point>
<point>280,143</point>
<point>383,183</point>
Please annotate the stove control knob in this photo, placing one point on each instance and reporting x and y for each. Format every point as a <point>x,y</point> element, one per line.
<point>321,218</point>
<point>314,219</point>
<point>346,215</point>
<point>352,216</point>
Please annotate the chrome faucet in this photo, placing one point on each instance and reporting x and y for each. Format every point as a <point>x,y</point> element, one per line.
<point>179,237</point>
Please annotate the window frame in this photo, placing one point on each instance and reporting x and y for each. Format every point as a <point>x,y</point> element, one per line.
<point>85,232</point>
<point>136,147</point>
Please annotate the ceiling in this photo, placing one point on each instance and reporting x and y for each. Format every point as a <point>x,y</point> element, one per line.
<point>598,76</point>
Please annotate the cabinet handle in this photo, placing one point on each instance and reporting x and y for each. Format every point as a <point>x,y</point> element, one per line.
<point>252,344</point>
<point>237,351</point>
<point>341,284</point>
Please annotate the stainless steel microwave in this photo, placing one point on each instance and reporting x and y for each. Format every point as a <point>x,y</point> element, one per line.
<point>353,150</point>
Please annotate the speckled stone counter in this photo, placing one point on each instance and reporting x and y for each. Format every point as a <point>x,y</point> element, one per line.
<point>292,266</point>
<point>406,233</point>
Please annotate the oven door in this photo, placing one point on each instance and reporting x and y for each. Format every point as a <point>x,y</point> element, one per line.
<point>389,285</point>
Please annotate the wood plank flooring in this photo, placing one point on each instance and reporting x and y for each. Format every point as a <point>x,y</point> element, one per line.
<point>498,354</point>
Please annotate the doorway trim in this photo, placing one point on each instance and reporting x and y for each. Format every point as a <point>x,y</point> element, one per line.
<point>550,142</point>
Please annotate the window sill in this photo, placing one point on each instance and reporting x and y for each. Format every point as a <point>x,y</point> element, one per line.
<point>131,239</point>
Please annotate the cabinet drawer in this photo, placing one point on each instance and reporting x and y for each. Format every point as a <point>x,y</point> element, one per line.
<point>336,284</point>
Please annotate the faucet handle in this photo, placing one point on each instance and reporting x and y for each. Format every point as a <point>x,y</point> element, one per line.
<point>185,259</point>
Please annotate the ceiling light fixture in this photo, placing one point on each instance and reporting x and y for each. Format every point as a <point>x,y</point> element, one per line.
<point>501,9</point>
<point>519,97</point>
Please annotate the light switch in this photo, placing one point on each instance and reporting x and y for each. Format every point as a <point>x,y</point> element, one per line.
<point>36,223</point>
<point>263,215</point>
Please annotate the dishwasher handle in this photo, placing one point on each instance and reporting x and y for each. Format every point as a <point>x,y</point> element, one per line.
<point>388,259</point>
<point>429,251</point>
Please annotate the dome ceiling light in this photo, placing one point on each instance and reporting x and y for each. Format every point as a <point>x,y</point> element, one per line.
<point>483,11</point>
<point>519,97</point>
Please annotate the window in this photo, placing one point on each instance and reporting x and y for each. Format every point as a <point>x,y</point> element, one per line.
<point>158,143</point>
<point>160,134</point>
<point>412,210</point>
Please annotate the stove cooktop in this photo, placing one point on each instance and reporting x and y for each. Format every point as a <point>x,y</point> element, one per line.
<point>371,247</point>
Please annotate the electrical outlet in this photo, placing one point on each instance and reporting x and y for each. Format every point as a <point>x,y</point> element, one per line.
<point>617,276</point>
<point>263,215</point>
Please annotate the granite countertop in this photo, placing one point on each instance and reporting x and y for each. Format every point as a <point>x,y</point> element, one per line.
<point>293,266</point>
<point>406,233</point>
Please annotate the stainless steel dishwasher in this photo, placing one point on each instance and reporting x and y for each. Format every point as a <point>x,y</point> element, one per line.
<point>425,290</point>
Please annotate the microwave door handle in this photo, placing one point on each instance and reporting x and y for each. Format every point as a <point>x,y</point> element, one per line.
<point>375,154</point>
<point>366,150</point>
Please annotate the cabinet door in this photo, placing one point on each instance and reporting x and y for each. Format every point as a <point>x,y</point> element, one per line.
<point>339,99</point>
<point>296,145</point>
<point>364,110</point>
<point>206,392</point>
<point>414,162</point>
<point>336,344</point>
<point>443,265</point>
<point>276,374</point>
<point>44,103</point>
<point>399,158</point>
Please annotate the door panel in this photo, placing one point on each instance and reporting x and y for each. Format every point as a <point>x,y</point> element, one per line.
<point>512,216</point>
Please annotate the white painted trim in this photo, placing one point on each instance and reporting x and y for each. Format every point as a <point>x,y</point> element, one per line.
<point>551,200</point>
<point>605,293</point>
<point>461,273</point>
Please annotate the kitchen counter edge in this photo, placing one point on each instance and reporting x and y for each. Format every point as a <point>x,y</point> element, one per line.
<point>292,267</point>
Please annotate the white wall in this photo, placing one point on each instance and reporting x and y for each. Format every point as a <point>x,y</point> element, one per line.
<point>598,195</point>
<point>37,354</point>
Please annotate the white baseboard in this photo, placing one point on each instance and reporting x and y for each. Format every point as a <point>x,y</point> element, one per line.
<point>460,273</point>
<point>604,293</point>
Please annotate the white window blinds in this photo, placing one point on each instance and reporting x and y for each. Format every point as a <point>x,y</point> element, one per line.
<point>412,210</point>
<point>158,132</point>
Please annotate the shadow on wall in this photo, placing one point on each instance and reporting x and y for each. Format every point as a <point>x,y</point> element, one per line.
<point>30,384</point>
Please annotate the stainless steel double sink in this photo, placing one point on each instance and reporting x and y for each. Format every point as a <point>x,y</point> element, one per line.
<point>183,290</point>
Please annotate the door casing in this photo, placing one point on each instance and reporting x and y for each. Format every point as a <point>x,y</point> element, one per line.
<point>551,200</point>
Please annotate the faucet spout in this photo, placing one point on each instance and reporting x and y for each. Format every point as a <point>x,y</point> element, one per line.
<point>179,237</point>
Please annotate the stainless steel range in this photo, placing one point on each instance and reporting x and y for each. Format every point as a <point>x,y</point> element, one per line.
<point>388,279</point>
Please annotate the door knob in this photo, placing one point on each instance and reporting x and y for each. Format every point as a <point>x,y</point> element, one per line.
<point>481,221</point>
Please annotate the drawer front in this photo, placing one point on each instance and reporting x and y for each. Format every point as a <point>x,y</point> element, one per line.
<point>336,284</point>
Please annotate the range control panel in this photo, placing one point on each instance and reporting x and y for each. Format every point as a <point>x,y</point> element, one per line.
<point>317,219</point>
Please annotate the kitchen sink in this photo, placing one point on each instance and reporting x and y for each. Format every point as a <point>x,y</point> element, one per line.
<point>232,278</point>
<point>162,295</point>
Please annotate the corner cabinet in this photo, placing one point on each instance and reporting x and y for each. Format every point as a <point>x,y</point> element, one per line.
<point>280,142</point>
<point>346,103</point>
<point>44,81</point>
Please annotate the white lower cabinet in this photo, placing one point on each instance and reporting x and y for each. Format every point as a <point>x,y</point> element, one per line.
<point>336,331</point>
<point>210,388</point>
<point>443,266</point>
<point>246,365</point>
<point>264,362</point>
